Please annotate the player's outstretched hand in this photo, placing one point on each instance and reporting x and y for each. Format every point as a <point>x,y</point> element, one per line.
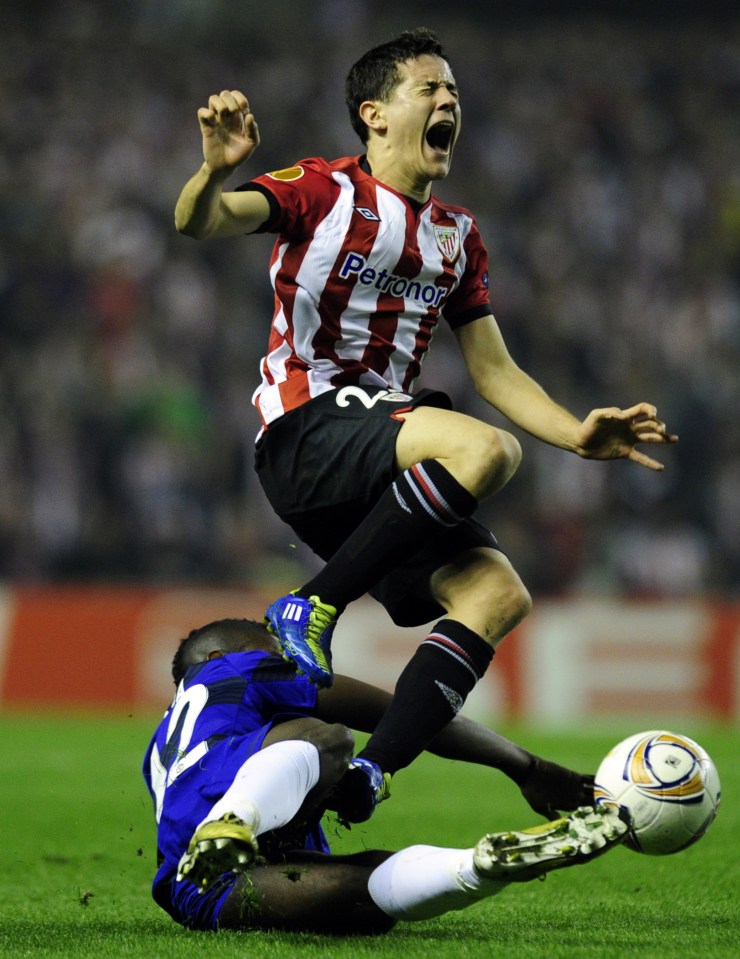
<point>613,434</point>
<point>229,130</point>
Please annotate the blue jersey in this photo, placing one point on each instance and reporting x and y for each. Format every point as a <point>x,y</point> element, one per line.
<point>221,713</point>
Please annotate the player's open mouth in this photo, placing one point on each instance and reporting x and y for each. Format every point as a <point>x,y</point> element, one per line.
<point>439,136</point>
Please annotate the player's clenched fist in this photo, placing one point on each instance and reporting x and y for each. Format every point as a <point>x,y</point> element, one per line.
<point>230,132</point>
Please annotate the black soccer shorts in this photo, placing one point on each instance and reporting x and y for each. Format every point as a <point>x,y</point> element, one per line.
<point>323,467</point>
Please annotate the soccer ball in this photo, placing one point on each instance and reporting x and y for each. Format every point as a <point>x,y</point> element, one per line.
<point>668,785</point>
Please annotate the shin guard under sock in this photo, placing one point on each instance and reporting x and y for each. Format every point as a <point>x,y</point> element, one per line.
<point>430,692</point>
<point>419,502</point>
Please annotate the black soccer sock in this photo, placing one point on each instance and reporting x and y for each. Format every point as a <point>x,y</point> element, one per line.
<point>419,502</point>
<point>429,693</point>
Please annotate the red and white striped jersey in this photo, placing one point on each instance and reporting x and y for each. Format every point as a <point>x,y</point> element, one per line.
<point>361,278</point>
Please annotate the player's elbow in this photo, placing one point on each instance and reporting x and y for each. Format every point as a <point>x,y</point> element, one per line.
<point>187,227</point>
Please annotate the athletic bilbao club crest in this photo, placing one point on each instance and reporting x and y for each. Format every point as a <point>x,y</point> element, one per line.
<point>448,241</point>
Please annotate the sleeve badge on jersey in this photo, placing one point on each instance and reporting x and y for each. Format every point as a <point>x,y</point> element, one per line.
<point>291,173</point>
<point>448,241</point>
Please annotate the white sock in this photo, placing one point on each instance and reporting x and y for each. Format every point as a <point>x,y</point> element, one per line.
<point>269,788</point>
<point>421,882</point>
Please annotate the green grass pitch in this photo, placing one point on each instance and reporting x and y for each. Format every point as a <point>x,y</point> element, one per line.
<point>77,855</point>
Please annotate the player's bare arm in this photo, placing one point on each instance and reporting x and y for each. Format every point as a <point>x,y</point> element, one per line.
<point>360,706</point>
<point>230,135</point>
<point>610,433</point>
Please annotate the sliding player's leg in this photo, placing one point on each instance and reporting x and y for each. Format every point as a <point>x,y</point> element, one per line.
<point>369,892</point>
<point>284,783</point>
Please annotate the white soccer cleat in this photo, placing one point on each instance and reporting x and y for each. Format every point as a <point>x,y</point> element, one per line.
<point>521,856</point>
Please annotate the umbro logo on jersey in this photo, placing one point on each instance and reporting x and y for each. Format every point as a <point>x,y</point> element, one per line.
<point>292,611</point>
<point>368,213</point>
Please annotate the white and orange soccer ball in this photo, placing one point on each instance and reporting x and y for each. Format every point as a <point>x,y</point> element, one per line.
<point>667,783</point>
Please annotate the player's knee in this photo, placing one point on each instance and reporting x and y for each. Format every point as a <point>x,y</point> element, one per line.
<point>506,605</point>
<point>506,455</point>
<point>342,740</point>
<point>522,603</point>
<point>336,745</point>
<point>497,455</point>
<point>515,603</point>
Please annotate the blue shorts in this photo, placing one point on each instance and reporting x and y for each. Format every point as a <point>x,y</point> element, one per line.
<point>189,799</point>
<point>189,906</point>
<point>194,909</point>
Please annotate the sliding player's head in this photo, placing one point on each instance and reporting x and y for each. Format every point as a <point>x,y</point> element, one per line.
<point>217,639</point>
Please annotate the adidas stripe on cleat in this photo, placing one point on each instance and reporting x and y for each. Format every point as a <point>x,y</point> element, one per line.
<point>223,845</point>
<point>304,628</point>
<point>521,856</point>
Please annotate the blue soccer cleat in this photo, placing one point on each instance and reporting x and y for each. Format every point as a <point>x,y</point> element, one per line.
<point>363,787</point>
<point>304,628</point>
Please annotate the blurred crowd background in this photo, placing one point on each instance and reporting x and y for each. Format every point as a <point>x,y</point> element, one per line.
<point>601,156</point>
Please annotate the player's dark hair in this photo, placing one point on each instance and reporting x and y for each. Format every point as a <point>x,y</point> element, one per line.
<point>375,75</point>
<point>225,635</point>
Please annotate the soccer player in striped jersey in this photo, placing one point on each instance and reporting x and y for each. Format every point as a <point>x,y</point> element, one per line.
<point>249,755</point>
<point>379,480</point>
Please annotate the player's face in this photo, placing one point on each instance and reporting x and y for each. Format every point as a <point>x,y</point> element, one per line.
<point>422,121</point>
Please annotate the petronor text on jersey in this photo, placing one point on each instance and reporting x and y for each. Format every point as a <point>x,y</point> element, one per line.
<point>385,282</point>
